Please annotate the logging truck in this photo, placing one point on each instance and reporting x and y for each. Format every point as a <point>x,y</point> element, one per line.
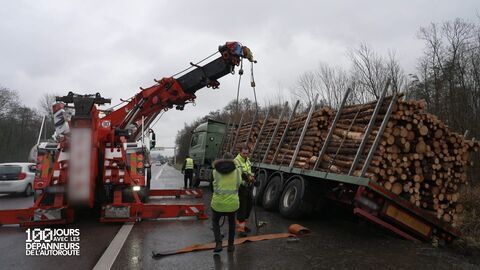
<point>392,163</point>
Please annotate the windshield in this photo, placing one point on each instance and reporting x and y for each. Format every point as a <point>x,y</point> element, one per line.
<point>10,169</point>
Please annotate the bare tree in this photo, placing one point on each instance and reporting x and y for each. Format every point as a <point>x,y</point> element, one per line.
<point>19,126</point>
<point>369,71</point>
<point>8,100</point>
<point>395,73</point>
<point>448,74</point>
<point>45,104</point>
<point>334,82</point>
<point>306,87</point>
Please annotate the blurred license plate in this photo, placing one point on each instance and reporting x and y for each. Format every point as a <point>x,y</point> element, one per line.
<point>4,184</point>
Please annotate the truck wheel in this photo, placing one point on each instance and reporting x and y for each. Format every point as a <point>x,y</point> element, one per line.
<point>143,194</point>
<point>258,190</point>
<point>272,193</point>
<point>291,201</point>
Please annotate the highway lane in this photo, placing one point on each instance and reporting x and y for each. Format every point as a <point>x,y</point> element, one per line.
<point>337,242</point>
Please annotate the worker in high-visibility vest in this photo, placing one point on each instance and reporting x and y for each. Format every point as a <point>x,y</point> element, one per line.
<point>187,170</point>
<point>225,202</point>
<point>245,191</point>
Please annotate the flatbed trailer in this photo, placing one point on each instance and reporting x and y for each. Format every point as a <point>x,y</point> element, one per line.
<point>296,191</point>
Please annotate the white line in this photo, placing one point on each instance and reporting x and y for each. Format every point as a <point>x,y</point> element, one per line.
<point>111,253</point>
<point>160,172</point>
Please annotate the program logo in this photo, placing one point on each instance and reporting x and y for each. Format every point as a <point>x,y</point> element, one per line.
<point>52,242</point>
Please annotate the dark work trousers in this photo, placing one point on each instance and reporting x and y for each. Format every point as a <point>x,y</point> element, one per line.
<point>231,226</point>
<point>188,178</point>
<point>246,202</point>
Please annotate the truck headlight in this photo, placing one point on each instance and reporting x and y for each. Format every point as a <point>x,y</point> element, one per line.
<point>136,188</point>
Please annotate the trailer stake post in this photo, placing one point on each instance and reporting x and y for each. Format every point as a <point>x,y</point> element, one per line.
<point>285,107</point>
<point>285,131</point>
<point>370,126</point>
<point>332,128</point>
<point>261,132</point>
<point>304,130</point>
<point>379,136</point>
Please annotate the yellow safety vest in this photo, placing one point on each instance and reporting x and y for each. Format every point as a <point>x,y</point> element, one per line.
<point>244,165</point>
<point>225,191</point>
<point>189,164</point>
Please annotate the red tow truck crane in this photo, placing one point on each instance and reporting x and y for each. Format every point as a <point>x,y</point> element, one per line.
<point>101,163</point>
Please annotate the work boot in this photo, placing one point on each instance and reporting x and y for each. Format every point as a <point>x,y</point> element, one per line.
<point>218,247</point>
<point>231,248</point>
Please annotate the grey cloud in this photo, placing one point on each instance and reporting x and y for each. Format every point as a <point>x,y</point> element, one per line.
<point>117,46</point>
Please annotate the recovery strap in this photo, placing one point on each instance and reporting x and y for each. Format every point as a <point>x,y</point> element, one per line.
<point>294,230</point>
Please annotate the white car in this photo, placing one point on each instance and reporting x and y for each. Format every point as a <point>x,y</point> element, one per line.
<point>17,178</point>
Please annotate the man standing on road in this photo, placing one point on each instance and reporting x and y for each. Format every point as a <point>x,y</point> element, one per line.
<point>245,191</point>
<point>225,202</point>
<point>187,170</point>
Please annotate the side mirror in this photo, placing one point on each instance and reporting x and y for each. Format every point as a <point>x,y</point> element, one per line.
<point>152,139</point>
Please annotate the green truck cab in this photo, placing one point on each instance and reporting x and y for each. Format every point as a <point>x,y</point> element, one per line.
<point>205,147</point>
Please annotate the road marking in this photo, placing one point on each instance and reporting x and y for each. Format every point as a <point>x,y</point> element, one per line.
<point>160,172</point>
<point>112,251</point>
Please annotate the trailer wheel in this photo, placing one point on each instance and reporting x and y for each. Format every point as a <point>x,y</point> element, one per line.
<point>291,201</point>
<point>272,193</point>
<point>258,190</point>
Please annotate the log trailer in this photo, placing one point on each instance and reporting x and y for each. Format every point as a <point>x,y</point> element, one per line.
<point>295,191</point>
<point>99,160</point>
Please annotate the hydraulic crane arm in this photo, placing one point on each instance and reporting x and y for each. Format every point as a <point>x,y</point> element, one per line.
<point>172,92</point>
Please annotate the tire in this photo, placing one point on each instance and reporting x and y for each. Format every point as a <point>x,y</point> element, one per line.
<point>143,194</point>
<point>292,203</point>
<point>258,191</point>
<point>28,191</point>
<point>272,193</point>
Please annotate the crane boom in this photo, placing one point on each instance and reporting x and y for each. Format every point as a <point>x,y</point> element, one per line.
<point>172,92</point>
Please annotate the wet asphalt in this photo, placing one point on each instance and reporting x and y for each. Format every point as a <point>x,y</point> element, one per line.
<point>337,241</point>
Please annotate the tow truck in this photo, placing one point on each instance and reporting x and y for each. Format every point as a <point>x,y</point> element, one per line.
<point>99,160</point>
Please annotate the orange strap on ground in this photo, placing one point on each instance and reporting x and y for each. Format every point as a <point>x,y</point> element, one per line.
<point>294,230</point>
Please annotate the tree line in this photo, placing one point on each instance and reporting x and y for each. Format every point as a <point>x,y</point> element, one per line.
<point>19,127</point>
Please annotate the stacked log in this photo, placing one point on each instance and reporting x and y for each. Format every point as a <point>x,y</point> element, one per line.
<point>418,157</point>
<point>312,142</point>
<point>423,161</point>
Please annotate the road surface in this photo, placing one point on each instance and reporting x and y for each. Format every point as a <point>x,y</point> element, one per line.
<point>337,241</point>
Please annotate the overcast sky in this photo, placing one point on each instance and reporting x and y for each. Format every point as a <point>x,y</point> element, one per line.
<point>114,47</point>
